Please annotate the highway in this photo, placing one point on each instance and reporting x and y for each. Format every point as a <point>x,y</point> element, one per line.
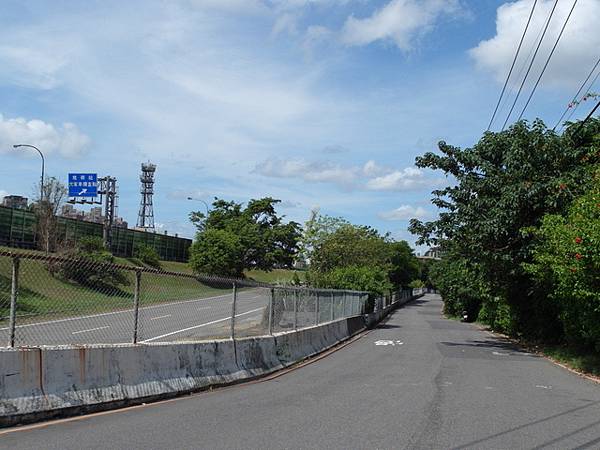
<point>172,321</point>
<point>417,381</point>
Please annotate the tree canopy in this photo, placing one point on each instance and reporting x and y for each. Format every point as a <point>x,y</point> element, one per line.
<point>501,187</point>
<point>234,238</point>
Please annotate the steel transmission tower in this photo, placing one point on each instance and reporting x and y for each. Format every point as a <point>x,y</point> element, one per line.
<point>146,214</point>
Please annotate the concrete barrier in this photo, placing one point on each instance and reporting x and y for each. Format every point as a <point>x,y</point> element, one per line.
<point>46,382</point>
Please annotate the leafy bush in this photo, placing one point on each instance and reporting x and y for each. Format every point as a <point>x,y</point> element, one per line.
<point>567,260</point>
<point>218,252</point>
<point>358,278</point>
<point>415,284</point>
<point>89,264</point>
<point>147,254</point>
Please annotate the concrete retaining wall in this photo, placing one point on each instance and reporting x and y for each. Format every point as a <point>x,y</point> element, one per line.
<point>46,382</point>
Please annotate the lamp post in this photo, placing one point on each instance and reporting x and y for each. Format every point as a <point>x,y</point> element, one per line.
<point>43,163</point>
<point>200,200</point>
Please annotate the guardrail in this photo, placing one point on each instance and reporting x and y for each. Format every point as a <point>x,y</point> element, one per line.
<point>53,300</point>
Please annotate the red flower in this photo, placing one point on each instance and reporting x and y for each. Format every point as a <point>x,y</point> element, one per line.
<point>573,269</point>
<point>578,256</point>
<point>578,240</point>
<point>562,186</point>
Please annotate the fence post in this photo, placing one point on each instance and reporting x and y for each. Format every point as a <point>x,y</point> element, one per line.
<point>331,308</point>
<point>136,304</point>
<point>233,308</point>
<point>345,306</point>
<point>295,309</point>
<point>271,311</point>
<point>316,307</point>
<point>14,293</point>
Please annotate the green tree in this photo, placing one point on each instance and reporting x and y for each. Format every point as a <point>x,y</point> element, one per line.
<point>316,229</point>
<point>218,252</point>
<point>567,263</point>
<point>405,266</point>
<point>46,209</point>
<point>147,254</point>
<point>506,182</point>
<point>254,237</point>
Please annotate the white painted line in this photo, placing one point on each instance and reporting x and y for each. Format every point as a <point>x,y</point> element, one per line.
<point>91,329</point>
<point>162,305</point>
<point>199,326</point>
<point>160,317</point>
<point>204,307</point>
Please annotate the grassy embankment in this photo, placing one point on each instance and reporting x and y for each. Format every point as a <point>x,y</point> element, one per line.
<point>42,295</point>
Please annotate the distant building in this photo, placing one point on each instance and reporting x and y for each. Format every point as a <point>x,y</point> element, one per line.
<point>93,215</point>
<point>15,201</point>
<point>433,253</point>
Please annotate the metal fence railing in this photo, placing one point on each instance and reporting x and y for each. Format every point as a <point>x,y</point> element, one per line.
<point>52,300</point>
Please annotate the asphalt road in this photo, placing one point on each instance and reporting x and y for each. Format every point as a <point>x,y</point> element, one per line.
<point>418,381</point>
<point>173,321</point>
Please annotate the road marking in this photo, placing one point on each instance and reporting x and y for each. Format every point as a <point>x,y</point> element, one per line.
<point>160,317</point>
<point>388,342</point>
<point>199,326</point>
<point>91,329</point>
<point>542,386</point>
<point>500,354</point>
<point>162,305</point>
<point>204,307</point>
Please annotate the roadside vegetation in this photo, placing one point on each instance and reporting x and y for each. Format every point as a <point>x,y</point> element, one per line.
<point>520,230</point>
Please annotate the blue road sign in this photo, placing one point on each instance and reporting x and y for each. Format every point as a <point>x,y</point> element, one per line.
<point>83,185</point>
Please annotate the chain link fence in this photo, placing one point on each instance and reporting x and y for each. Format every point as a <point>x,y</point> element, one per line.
<point>51,300</point>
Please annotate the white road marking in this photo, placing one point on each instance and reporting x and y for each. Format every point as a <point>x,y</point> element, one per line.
<point>162,305</point>
<point>160,317</point>
<point>388,342</point>
<point>204,307</point>
<point>542,386</point>
<point>500,354</point>
<point>200,326</point>
<point>91,329</point>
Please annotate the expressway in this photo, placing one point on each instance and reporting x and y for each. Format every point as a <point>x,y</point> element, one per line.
<point>417,381</point>
<point>170,321</point>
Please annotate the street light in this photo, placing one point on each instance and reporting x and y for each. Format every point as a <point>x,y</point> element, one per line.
<point>200,200</point>
<point>42,178</point>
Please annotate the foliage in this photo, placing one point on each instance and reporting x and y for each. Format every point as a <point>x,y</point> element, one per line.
<point>147,254</point>
<point>356,257</point>
<point>350,245</point>
<point>415,284</point>
<point>506,182</point>
<point>316,229</point>
<point>567,262</point>
<point>254,237</point>
<point>360,278</point>
<point>218,252</point>
<point>89,264</point>
<point>405,267</point>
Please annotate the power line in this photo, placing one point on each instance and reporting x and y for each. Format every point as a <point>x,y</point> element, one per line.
<point>586,119</point>
<point>531,63</point>
<point>547,60</point>
<point>576,96</point>
<point>512,65</point>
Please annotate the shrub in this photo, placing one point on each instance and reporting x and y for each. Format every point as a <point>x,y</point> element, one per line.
<point>89,264</point>
<point>148,255</point>
<point>218,252</point>
<point>567,261</point>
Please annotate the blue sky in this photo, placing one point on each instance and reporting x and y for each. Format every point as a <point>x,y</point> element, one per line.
<point>322,103</point>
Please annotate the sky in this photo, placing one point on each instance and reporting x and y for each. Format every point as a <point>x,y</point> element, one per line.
<point>319,103</point>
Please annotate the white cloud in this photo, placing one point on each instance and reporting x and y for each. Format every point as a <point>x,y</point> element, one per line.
<point>67,140</point>
<point>574,56</point>
<point>404,212</point>
<point>370,176</point>
<point>316,171</point>
<point>400,21</point>
<point>399,180</point>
